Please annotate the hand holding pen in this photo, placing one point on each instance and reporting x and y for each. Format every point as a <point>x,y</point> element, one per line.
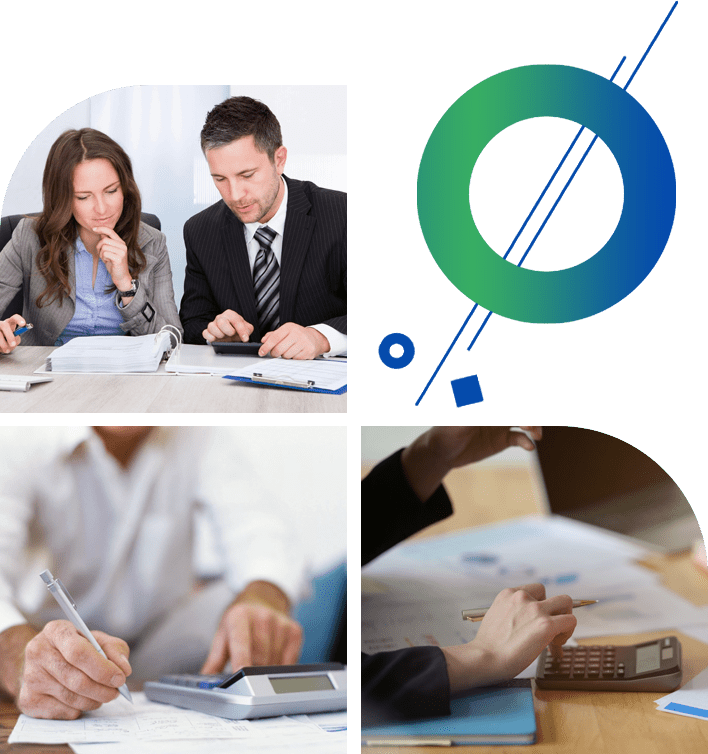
<point>10,331</point>
<point>517,627</point>
<point>65,674</point>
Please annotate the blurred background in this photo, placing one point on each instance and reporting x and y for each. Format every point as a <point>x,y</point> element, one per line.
<point>579,473</point>
<point>159,127</point>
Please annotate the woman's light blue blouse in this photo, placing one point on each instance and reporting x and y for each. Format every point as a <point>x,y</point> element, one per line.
<point>96,312</point>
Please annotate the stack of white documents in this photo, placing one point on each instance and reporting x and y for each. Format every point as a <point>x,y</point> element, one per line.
<point>414,594</point>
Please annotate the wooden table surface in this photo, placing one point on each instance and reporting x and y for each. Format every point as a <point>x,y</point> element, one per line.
<point>578,721</point>
<point>8,717</point>
<point>161,393</point>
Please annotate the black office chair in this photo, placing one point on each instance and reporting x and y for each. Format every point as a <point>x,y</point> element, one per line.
<point>7,228</point>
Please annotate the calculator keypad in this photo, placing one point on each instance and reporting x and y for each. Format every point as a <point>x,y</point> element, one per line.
<point>587,663</point>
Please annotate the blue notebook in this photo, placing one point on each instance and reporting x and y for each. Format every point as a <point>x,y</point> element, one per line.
<point>495,715</point>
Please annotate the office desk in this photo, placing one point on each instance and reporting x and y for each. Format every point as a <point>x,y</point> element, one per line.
<point>150,393</point>
<point>577,721</point>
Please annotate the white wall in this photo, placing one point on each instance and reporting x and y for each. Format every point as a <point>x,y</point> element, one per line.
<point>309,475</point>
<point>159,128</point>
<point>313,120</point>
<point>304,471</point>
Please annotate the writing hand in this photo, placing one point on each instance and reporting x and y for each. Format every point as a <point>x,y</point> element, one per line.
<point>514,632</point>
<point>63,675</point>
<point>8,340</point>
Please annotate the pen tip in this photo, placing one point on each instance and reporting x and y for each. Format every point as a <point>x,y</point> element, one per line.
<point>126,694</point>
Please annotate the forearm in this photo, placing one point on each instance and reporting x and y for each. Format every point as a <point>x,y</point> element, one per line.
<point>13,641</point>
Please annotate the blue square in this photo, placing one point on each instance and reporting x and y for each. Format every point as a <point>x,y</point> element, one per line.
<point>467,391</point>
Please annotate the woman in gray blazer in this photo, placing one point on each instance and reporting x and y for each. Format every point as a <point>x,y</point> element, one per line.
<point>87,265</point>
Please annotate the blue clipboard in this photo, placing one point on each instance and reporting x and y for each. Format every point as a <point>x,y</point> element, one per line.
<point>267,382</point>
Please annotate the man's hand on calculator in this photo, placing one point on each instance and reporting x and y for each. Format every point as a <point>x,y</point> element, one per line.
<point>255,630</point>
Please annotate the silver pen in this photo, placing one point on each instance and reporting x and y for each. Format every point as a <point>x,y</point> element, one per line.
<point>478,613</point>
<point>62,596</point>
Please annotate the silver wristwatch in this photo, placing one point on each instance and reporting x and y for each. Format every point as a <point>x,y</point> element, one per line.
<point>134,284</point>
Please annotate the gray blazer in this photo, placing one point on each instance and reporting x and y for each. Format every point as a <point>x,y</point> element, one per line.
<point>152,307</point>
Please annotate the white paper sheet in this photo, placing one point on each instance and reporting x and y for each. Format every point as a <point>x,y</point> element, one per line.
<point>694,694</point>
<point>306,743</point>
<point>142,721</point>
<point>553,550</point>
<point>325,374</point>
<point>414,594</point>
<point>699,632</point>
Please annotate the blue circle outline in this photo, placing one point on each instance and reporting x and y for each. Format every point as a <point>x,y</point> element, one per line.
<point>396,339</point>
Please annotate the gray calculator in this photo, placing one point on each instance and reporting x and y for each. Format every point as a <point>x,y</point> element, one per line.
<point>263,691</point>
<point>650,666</point>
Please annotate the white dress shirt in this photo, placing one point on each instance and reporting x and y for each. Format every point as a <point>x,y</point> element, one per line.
<point>337,340</point>
<point>122,540</point>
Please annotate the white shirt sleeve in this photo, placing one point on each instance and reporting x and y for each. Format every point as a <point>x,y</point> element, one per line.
<point>337,340</point>
<point>16,512</point>
<point>253,527</point>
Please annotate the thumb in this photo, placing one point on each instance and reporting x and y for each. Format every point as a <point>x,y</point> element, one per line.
<point>116,650</point>
<point>218,654</point>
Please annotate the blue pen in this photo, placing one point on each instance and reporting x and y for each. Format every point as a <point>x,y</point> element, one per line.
<point>23,330</point>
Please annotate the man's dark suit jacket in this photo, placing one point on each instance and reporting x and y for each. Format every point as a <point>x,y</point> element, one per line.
<point>411,682</point>
<point>313,274</point>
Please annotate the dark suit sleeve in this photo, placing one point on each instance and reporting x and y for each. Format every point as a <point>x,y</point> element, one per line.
<point>405,684</point>
<point>340,283</point>
<point>391,511</point>
<point>412,682</point>
<point>198,307</point>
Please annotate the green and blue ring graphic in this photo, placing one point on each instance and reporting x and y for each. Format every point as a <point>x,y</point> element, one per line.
<point>560,295</point>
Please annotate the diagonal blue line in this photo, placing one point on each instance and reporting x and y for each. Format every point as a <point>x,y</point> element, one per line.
<point>582,159</point>
<point>469,316</point>
<point>508,251</point>
<point>555,204</point>
<point>479,332</point>
<point>555,172</point>
<point>651,44</point>
<point>442,361</point>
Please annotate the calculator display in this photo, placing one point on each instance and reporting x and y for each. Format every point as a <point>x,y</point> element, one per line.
<point>301,683</point>
<point>648,658</point>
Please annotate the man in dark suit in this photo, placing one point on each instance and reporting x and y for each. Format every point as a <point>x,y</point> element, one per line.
<point>269,261</point>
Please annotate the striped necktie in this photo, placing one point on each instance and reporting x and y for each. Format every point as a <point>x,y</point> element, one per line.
<point>266,281</point>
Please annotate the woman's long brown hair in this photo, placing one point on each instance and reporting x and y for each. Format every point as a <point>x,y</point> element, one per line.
<point>56,227</point>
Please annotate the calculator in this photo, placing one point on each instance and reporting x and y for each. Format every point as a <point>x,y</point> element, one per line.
<point>237,348</point>
<point>650,666</point>
<point>263,691</point>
